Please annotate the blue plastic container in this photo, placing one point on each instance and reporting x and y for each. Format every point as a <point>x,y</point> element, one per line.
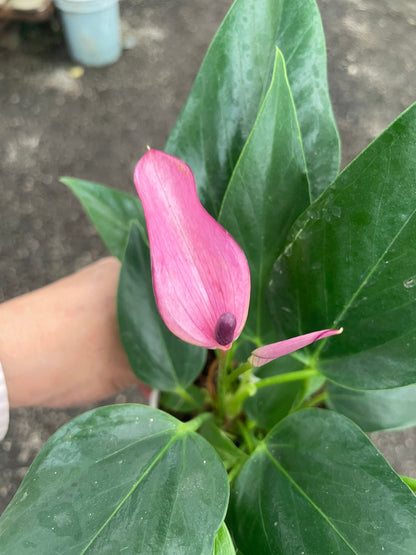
<point>92,30</point>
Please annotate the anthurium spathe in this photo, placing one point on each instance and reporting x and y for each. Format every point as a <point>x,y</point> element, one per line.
<point>201,277</point>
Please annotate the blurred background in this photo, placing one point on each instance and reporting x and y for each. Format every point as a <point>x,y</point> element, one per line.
<point>58,118</point>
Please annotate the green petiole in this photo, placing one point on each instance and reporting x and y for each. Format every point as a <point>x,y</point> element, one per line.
<point>289,377</point>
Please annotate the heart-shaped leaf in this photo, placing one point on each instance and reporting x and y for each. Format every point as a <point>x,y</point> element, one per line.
<point>318,485</point>
<point>267,191</point>
<point>157,357</point>
<point>111,212</point>
<point>230,86</point>
<point>352,263</point>
<point>119,479</point>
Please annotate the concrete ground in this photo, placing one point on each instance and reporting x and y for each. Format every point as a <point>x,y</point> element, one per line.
<point>97,126</point>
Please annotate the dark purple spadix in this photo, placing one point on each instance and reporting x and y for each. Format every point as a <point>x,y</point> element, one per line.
<point>225,328</point>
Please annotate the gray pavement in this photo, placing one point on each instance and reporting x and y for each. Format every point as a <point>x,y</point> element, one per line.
<point>97,126</point>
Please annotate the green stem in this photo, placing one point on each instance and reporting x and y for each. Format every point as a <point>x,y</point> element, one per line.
<point>249,439</point>
<point>289,377</point>
<point>238,371</point>
<point>183,394</point>
<point>304,359</point>
<point>235,401</point>
<point>194,424</point>
<point>411,482</point>
<point>223,357</point>
<point>322,397</point>
<point>235,471</point>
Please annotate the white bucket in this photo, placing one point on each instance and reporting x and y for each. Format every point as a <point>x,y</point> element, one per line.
<point>92,30</point>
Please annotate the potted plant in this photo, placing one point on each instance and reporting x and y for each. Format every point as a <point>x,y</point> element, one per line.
<point>228,296</point>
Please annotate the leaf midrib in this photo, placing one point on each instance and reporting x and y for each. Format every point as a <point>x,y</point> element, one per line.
<point>308,499</point>
<point>353,297</point>
<point>133,488</point>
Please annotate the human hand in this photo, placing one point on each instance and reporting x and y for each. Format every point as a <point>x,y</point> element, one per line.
<point>59,345</point>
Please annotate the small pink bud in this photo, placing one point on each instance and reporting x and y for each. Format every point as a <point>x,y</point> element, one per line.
<point>267,353</point>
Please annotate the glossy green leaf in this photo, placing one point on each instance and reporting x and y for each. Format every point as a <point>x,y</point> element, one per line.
<point>174,403</point>
<point>384,409</point>
<point>234,77</point>
<point>111,212</point>
<point>353,264</point>
<point>267,191</point>
<point>318,485</point>
<point>119,479</point>
<point>157,357</point>
<point>223,445</point>
<point>270,404</point>
<point>223,544</point>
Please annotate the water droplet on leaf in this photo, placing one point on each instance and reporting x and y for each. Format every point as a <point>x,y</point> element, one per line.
<point>336,211</point>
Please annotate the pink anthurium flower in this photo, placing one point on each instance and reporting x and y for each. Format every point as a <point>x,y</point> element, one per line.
<point>201,277</point>
<point>266,354</point>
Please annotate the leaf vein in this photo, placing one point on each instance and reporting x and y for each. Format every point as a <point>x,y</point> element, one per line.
<point>276,463</point>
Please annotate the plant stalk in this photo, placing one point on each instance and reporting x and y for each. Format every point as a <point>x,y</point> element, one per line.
<point>289,377</point>
<point>185,396</point>
<point>320,398</point>
<point>249,439</point>
<point>238,371</point>
<point>223,357</point>
<point>194,424</point>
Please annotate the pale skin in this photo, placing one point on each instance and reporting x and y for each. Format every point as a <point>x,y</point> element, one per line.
<point>59,345</point>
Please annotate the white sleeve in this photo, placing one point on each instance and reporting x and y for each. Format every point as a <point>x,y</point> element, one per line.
<point>4,405</point>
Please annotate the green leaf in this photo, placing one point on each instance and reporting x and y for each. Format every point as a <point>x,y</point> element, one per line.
<point>318,485</point>
<point>270,404</point>
<point>173,402</point>
<point>111,212</point>
<point>352,263</point>
<point>125,478</point>
<point>267,191</point>
<point>223,544</point>
<point>234,77</point>
<point>223,445</point>
<point>385,409</point>
<point>157,357</point>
